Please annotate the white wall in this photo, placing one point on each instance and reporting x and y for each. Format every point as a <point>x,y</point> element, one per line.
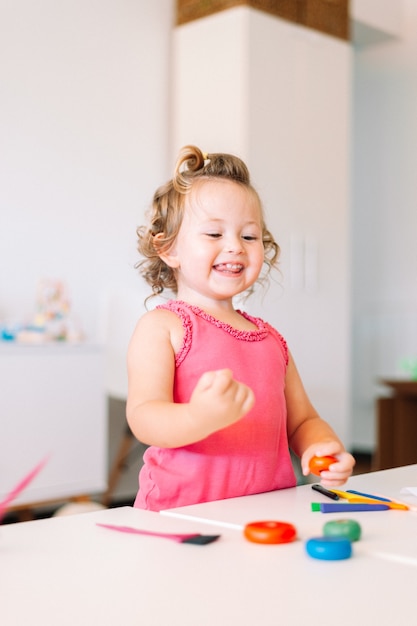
<point>384,16</point>
<point>84,122</point>
<point>300,134</point>
<point>384,213</point>
<point>210,83</point>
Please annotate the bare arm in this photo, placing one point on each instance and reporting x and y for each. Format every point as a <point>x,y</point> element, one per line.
<point>217,400</point>
<point>310,435</point>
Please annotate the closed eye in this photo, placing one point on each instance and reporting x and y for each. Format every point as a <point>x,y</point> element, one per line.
<point>213,235</point>
<point>249,238</point>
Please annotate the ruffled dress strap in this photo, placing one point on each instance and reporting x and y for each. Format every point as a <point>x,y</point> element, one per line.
<point>177,307</point>
<point>185,311</point>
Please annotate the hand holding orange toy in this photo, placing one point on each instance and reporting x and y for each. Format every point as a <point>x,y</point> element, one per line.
<point>318,464</point>
<point>334,468</point>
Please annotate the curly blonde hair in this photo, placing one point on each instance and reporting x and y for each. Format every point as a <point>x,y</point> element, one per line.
<point>167,210</point>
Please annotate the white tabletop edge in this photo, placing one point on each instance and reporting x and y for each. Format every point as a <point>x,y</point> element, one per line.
<point>197,518</point>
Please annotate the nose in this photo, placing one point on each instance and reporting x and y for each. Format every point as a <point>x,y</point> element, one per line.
<point>233,245</point>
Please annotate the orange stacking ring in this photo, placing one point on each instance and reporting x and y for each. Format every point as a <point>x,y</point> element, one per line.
<point>320,463</point>
<point>269,532</point>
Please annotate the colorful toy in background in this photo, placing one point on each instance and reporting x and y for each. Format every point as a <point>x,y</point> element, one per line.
<point>410,366</point>
<point>52,309</point>
<point>52,321</point>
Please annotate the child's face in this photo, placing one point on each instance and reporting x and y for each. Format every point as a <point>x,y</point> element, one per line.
<point>219,251</point>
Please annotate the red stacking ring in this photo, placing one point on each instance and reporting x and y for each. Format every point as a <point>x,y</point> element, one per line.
<point>270,532</point>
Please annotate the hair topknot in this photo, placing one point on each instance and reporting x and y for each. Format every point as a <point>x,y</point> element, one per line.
<point>192,163</point>
<point>166,213</point>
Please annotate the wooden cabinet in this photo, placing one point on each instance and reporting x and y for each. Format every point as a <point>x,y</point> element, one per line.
<point>397,425</point>
<point>52,402</point>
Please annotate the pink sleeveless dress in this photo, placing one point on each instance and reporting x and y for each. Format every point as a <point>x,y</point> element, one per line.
<point>250,456</point>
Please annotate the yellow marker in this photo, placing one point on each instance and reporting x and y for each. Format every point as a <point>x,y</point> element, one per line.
<point>355,498</point>
<point>391,504</point>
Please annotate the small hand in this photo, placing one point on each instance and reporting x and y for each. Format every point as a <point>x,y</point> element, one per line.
<point>338,472</point>
<point>220,400</point>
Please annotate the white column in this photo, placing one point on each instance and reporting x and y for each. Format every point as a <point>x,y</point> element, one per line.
<point>278,95</point>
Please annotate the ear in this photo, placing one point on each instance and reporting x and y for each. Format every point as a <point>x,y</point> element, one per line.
<point>168,256</point>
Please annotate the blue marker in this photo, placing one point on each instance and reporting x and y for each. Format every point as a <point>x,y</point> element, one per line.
<point>367,495</point>
<point>343,507</point>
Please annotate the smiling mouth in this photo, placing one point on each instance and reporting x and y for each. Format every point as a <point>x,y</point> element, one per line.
<point>229,268</point>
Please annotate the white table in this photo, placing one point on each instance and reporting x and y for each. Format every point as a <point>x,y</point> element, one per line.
<point>388,535</point>
<point>68,571</point>
<point>294,505</point>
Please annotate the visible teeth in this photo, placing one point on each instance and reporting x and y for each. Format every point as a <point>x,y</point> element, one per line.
<point>229,267</point>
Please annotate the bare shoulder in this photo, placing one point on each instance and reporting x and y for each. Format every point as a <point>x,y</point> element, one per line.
<point>151,359</point>
<point>158,319</point>
<point>158,325</point>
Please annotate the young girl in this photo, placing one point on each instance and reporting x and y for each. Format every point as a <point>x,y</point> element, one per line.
<point>212,390</point>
